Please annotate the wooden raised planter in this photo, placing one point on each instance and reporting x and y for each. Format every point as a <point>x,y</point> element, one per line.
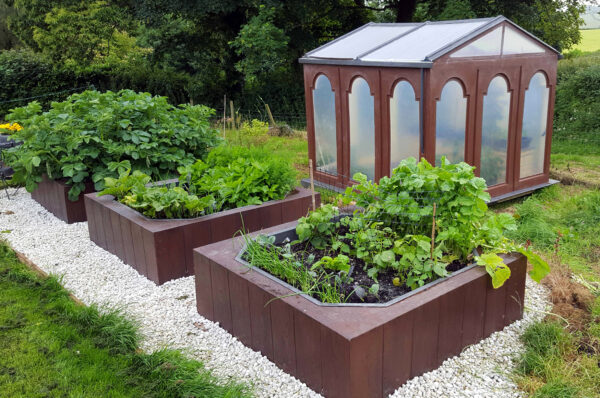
<point>53,195</point>
<point>161,250</point>
<point>353,350</point>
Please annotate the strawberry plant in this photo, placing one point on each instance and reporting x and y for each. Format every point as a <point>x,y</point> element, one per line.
<point>93,135</point>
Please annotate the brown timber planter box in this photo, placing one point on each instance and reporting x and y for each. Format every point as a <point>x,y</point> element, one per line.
<point>353,350</point>
<point>161,250</point>
<point>54,196</point>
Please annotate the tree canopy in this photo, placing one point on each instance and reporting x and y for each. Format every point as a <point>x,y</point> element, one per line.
<point>247,49</point>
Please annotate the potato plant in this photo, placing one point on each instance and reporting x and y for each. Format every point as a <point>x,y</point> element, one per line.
<point>414,225</point>
<point>93,135</point>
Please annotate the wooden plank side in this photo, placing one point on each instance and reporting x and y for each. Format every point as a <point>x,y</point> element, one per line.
<point>240,308</point>
<point>260,316</point>
<point>148,239</point>
<point>117,235</point>
<point>451,321</point>
<point>220,296</point>
<point>425,338</point>
<point>282,327</point>
<point>137,241</point>
<point>170,254</point>
<point>515,291</point>
<point>495,304</point>
<point>128,250</point>
<point>335,364</point>
<point>270,214</point>
<point>308,350</point>
<point>107,227</point>
<point>99,226</point>
<point>225,226</point>
<point>397,352</point>
<point>366,362</point>
<point>474,311</point>
<point>92,230</point>
<point>204,302</point>
<point>196,234</point>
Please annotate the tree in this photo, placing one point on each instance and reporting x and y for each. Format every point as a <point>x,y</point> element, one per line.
<point>83,33</point>
<point>554,21</point>
<point>261,45</point>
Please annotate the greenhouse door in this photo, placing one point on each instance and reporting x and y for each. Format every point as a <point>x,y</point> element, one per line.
<point>495,141</point>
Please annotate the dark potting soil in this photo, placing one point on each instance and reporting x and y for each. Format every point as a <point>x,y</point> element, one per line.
<point>360,280</point>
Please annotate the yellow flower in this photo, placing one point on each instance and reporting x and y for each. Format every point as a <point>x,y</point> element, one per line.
<point>11,127</point>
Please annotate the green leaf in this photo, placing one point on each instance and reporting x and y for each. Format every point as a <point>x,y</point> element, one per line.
<point>495,267</point>
<point>539,269</point>
<point>35,161</point>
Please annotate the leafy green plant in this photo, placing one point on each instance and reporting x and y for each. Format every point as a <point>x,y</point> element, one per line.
<point>247,180</point>
<point>317,228</point>
<point>411,227</point>
<point>338,263</point>
<point>94,135</point>
<point>205,189</point>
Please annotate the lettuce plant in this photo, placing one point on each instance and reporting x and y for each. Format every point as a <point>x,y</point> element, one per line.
<point>205,189</point>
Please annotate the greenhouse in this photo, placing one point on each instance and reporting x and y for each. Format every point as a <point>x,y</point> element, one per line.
<point>479,90</point>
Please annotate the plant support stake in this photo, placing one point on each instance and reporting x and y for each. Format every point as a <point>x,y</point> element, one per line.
<point>312,183</point>
<point>224,113</point>
<point>433,231</point>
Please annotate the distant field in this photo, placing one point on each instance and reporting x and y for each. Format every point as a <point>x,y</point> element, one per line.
<point>590,40</point>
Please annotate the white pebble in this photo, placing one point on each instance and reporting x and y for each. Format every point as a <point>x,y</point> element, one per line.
<point>167,318</point>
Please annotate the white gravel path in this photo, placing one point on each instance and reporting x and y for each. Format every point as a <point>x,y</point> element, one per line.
<point>167,314</point>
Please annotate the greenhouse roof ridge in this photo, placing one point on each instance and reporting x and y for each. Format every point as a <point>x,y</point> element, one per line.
<point>412,44</point>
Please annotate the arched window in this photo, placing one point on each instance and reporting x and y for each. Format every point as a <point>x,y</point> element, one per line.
<point>494,132</point>
<point>535,120</point>
<point>450,123</point>
<point>325,126</point>
<point>404,124</point>
<point>362,129</point>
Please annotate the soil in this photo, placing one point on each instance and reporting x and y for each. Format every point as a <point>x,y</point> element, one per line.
<point>358,272</point>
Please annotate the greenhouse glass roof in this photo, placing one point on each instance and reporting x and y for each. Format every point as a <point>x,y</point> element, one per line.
<point>403,44</point>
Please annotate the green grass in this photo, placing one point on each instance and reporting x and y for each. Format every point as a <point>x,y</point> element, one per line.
<point>53,347</point>
<point>294,148</point>
<point>551,367</point>
<point>564,220</point>
<point>590,40</point>
<point>562,223</point>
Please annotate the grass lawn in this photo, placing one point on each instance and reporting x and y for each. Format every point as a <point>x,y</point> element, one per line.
<point>294,148</point>
<point>562,223</point>
<point>53,347</point>
<point>590,40</point>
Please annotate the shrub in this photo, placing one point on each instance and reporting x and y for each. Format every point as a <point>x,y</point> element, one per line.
<point>25,74</point>
<point>578,96</point>
<point>220,183</point>
<point>94,135</point>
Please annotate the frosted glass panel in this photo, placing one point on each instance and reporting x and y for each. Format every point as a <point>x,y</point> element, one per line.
<point>404,124</point>
<point>362,129</point>
<point>517,43</point>
<point>494,132</point>
<point>535,117</point>
<point>489,44</point>
<point>451,117</point>
<point>325,132</point>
